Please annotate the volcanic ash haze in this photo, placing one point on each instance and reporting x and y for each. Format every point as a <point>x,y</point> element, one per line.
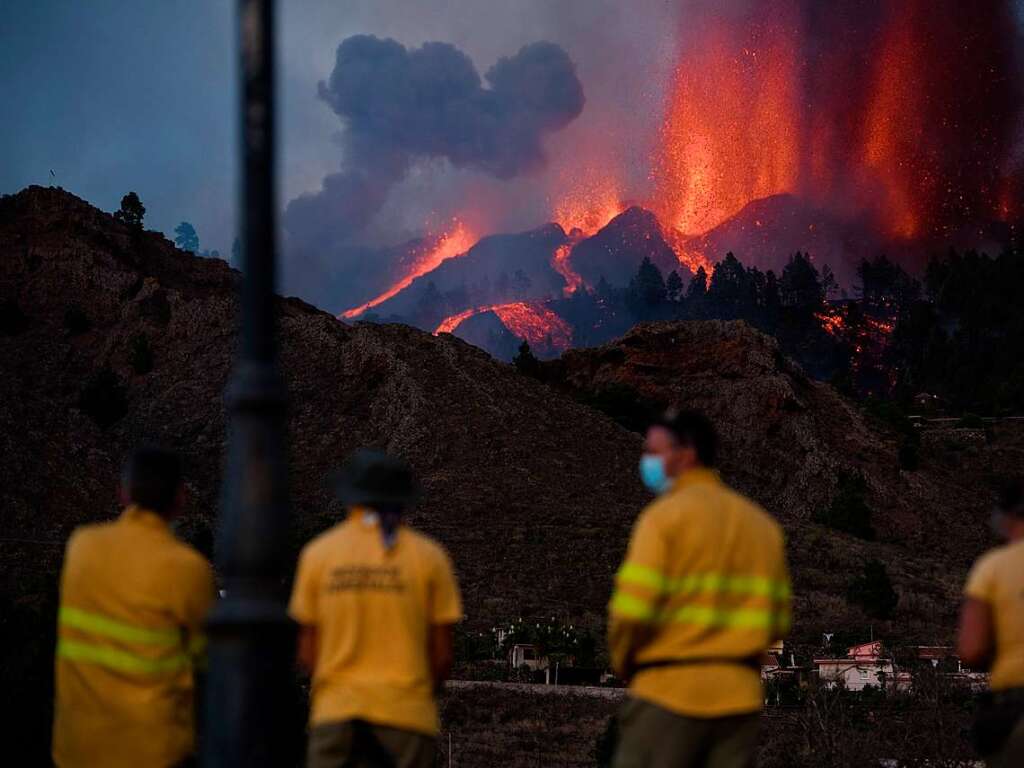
<point>400,106</point>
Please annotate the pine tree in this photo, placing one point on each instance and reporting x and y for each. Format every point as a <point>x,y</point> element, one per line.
<point>646,289</point>
<point>132,211</point>
<point>186,238</point>
<point>729,291</point>
<point>800,285</point>
<point>674,286</point>
<point>526,362</point>
<point>698,287</point>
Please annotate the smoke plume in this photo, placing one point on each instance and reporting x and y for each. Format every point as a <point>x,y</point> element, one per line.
<point>401,106</point>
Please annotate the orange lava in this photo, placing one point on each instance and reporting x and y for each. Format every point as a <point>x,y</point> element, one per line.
<point>689,257</point>
<point>533,322</point>
<point>587,209</point>
<point>452,244</point>
<point>832,322</point>
<point>731,133</point>
<point>560,263</point>
<point>893,129</point>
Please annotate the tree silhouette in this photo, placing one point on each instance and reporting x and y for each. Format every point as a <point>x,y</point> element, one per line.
<point>186,237</point>
<point>698,287</point>
<point>673,286</point>
<point>646,289</point>
<point>132,211</point>
<point>729,292</point>
<point>526,362</point>
<point>800,285</point>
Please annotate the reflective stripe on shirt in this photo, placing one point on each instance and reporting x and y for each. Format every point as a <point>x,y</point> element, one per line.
<point>97,624</point>
<point>121,661</point>
<point>118,659</point>
<point>641,576</point>
<point>631,606</point>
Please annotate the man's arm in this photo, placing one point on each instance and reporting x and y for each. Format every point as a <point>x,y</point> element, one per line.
<point>197,595</point>
<point>441,652</point>
<point>625,638</point>
<point>976,637</point>
<point>307,647</point>
<point>976,640</point>
<point>640,586</point>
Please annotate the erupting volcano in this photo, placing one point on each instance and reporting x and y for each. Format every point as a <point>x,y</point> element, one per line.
<point>844,131</point>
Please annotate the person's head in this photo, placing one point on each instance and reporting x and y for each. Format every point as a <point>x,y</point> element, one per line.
<point>375,481</point>
<point>676,443</point>
<point>152,479</point>
<point>1008,518</point>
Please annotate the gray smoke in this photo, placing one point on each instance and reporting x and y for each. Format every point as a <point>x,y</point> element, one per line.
<point>400,106</point>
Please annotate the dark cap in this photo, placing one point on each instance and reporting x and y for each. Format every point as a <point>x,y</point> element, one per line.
<point>371,478</point>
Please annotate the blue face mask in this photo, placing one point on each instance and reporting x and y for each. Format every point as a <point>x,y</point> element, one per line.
<point>652,473</point>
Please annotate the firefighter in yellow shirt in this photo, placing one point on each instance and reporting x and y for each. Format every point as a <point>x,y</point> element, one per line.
<point>377,603</point>
<point>703,592</point>
<point>992,635</point>
<point>133,600</point>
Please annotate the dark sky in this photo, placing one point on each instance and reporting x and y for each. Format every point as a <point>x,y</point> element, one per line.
<point>117,96</point>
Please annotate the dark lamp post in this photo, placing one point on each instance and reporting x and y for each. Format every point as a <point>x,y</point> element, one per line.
<point>251,639</point>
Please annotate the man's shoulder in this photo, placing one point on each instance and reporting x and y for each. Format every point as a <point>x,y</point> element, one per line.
<point>325,541</point>
<point>1006,557</point>
<point>189,558</point>
<point>89,536</point>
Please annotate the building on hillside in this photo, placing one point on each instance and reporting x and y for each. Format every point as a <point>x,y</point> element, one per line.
<point>526,655</point>
<point>775,665</point>
<point>864,665</point>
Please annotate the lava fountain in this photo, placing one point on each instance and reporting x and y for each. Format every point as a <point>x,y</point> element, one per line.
<point>905,112</point>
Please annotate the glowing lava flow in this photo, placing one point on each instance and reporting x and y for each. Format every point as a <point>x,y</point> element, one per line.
<point>449,246</point>
<point>530,321</point>
<point>689,257</point>
<point>560,263</point>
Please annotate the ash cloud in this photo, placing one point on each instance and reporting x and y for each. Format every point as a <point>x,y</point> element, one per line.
<point>401,106</point>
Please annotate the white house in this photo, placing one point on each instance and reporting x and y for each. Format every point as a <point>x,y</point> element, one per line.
<point>864,665</point>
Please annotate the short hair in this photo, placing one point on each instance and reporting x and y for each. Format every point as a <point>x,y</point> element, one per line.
<point>152,477</point>
<point>693,429</point>
<point>1011,498</point>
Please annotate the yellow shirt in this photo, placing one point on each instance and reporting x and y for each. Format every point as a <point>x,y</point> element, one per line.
<point>372,608</point>
<point>133,599</point>
<point>998,579</point>
<point>704,579</point>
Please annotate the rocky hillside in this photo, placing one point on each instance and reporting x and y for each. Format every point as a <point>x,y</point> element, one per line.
<point>111,337</point>
<point>518,483</point>
<point>791,442</point>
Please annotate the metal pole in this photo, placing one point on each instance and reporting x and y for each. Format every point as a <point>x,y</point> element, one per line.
<point>251,639</point>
